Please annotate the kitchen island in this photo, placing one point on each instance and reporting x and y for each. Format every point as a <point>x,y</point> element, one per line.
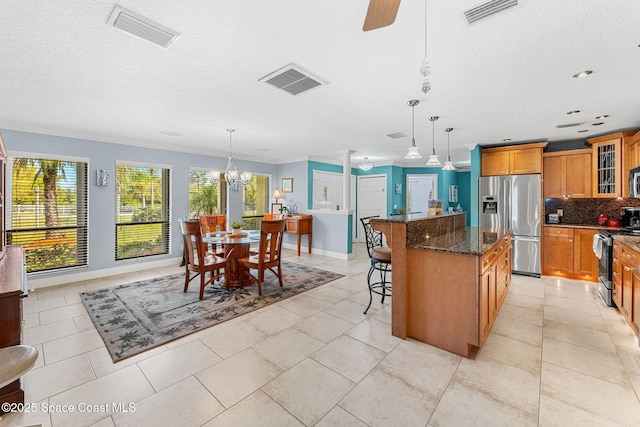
<point>448,280</point>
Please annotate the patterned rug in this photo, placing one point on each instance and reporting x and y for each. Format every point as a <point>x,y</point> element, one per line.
<point>136,317</point>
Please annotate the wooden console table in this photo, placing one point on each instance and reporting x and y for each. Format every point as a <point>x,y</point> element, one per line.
<point>301,224</point>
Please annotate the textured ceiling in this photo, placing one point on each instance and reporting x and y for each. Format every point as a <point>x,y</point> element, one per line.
<point>65,72</point>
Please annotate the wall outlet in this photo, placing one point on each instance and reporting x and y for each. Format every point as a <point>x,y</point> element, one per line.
<point>395,206</point>
<point>560,212</point>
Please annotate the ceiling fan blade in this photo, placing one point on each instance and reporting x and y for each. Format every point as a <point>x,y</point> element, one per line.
<point>380,14</point>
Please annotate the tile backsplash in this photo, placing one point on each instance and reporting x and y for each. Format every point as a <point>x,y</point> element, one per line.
<point>586,211</point>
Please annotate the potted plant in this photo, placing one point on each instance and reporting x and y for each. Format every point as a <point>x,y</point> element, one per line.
<point>236,227</point>
<point>435,207</point>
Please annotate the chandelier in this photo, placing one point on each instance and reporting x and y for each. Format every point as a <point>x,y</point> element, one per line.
<point>231,174</point>
<point>413,152</point>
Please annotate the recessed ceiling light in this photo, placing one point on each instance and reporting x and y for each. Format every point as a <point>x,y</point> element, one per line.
<point>584,73</point>
<point>263,149</point>
<point>604,116</point>
<point>583,130</point>
<point>597,124</point>
<point>573,112</point>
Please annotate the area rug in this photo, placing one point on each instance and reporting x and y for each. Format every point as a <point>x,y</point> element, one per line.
<point>136,317</point>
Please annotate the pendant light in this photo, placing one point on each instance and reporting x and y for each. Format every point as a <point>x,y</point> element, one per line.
<point>413,152</point>
<point>448,165</point>
<point>425,69</point>
<point>231,174</point>
<point>433,158</point>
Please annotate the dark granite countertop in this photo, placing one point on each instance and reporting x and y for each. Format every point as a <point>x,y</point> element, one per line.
<point>588,226</point>
<point>632,241</point>
<point>471,240</point>
<point>413,217</point>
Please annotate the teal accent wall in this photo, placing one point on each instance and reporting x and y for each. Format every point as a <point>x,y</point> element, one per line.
<point>473,182</point>
<point>464,192</point>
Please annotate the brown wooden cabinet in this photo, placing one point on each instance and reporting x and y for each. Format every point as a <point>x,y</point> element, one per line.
<point>557,251</point>
<point>609,177</point>
<point>494,284</point>
<point>301,224</point>
<point>568,252</point>
<point>512,160</point>
<point>626,292</point>
<point>13,288</point>
<point>567,174</point>
<point>616,274</point>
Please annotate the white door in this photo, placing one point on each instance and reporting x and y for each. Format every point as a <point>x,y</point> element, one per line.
<point>372,199</point>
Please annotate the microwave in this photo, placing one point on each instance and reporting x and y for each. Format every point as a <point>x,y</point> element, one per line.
<point>634,183</point>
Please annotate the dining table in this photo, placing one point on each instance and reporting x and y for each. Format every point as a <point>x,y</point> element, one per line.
<point>236,247</point>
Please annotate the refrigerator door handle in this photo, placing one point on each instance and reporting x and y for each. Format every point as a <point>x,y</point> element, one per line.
<point>526,239</point>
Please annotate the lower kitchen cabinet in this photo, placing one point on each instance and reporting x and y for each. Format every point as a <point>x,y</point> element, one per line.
<point>568,252</point>
<point>627,292</point>
<point>494,284</point>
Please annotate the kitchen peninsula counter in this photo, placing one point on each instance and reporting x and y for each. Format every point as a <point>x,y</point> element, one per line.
<point>449,280</point>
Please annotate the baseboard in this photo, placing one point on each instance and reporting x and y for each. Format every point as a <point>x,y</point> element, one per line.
<point>63,279</point>
<point>315,251</point>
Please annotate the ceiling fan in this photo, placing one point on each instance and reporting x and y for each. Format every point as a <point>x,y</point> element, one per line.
<point>380,14</point>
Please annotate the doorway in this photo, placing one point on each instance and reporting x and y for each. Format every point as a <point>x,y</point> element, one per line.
<point>421,188</point>
<point>372,199</point>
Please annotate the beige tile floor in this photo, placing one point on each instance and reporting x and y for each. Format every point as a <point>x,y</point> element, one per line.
<point>556,357</point>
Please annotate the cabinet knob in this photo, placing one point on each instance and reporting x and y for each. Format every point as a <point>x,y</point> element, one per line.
<point>570,240</point>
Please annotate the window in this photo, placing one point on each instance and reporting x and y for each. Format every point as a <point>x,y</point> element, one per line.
<point>142,211</point>
<point>255,201</point>
<point>205,198</point>
<point>49,212</point>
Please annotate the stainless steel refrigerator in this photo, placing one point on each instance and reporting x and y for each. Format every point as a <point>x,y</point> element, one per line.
<point>515,203</point>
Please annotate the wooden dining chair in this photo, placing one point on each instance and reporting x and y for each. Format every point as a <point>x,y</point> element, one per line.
<point>197,259</point>
<point>211,224</point>
<point>268,256</point>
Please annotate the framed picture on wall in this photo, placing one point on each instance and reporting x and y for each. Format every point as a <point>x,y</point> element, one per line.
<point>287,185</point>
<point>275,208</point>
<point>453,193</point>
<point>398,188</point>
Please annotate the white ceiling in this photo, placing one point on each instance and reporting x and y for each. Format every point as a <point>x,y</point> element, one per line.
<point>63,71</point>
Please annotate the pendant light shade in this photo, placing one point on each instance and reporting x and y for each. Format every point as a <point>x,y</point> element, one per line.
<point>448,165</point>
<point>433,158</point>
<point>413,152</point>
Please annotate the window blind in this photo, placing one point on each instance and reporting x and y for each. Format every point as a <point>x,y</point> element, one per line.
<point>49,212</point>
<point>142,211</point>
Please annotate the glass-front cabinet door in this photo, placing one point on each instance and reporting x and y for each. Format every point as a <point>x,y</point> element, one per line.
<point>607,168</point>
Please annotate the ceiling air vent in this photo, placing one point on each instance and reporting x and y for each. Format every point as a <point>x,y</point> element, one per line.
<point>569,125</point>
<point>488,9</point>
<point>292,79</point>
<point>142,27</point>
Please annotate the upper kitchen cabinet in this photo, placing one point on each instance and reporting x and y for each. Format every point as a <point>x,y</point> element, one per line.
<point>512,160</point>
<point>607,165</point>
<point>567,174</point>
<point>631,152</point>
